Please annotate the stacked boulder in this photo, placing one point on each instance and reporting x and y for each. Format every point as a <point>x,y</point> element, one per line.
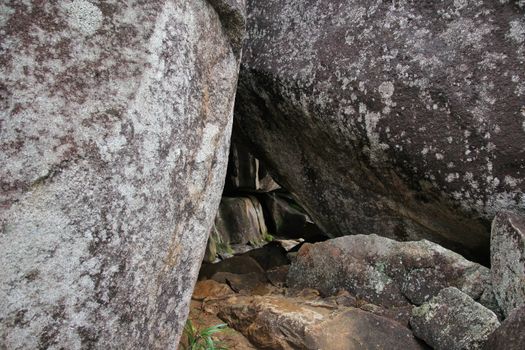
<point>253,209</point>
<point>454,303</point>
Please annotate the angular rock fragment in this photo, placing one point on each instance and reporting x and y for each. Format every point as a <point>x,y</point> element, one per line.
<point>453,321</point>
<point>507,255</point>
<point>511,334</point>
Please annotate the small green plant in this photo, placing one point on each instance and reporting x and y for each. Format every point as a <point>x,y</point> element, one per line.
<point>201,339</point>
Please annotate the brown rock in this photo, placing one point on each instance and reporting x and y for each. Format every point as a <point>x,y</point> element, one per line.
<point>237,265</point>
<point>210,289</point>
<point>237,282</point>
<point>287,323</point>
<point>277,275</point>
<point>510,335</point>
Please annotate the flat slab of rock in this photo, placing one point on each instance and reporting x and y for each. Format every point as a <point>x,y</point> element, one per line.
<point>287,323</point>
<point>507,254</point>
<point>453,321</point>
<point>383,271</point>
<point>511,334</point>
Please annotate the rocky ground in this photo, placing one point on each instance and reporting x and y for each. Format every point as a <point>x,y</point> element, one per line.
<point>366,292</point>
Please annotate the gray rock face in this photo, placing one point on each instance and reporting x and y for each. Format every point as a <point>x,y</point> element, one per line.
<point>510,335</point>
<point>453,321</point>
<point>383,271</point>
<point>287,219</point>
<point>239,221</point>
<point>247,173</point>
<point>114,131</point>
<point>507,255</point>
<point>404,119</point>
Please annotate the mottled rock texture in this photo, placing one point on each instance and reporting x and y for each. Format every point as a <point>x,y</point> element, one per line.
<point>507,253</point>
<point>114,131</point>
<point>401,118</point>
<point>383,271</point>
<point>276,322</point>
<point>510,335</point>
<point>239,221</point>
<point>453,321</point>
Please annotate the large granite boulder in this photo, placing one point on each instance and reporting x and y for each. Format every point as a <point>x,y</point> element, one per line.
<point>284,323</point>
<point>453,321</point>
<point>385,272</point>
<point>400,118</point>
<point>114,130</point>
<point>507,253</point>
<point>510,335</point>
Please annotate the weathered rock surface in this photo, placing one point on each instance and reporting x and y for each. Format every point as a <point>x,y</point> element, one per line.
<point>453,321</point>
<point>269,256</point>
<point>237,264</point>
<point>114,131</point>
<point>510,335</point>
<point>275,322</point>
<point>287,219</point>
<point>247,173</point>
<point>507,255</point>
<point>404,119</point>
<point>240,220</point>
<point>383,271</point>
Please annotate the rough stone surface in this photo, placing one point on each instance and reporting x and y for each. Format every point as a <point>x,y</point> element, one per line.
<point>287,219</point>
<point>114,130</point>
<point>401,118</point>
<point>510,335</point>
<point>237,265</point>
<point>247,173</point>
<point>276,322</point>
<point>453,321</point>
<point>383,271</point>
<point>239,221</point>
<point>507,246</point>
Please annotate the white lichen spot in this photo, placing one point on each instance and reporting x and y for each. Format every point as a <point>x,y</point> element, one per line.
<point>459,4</point>
<point>510,181</point>
<point>517,31</point>
<point>84,16</point>
<point>523,115</point>
<point>450,139</point>
<point>386,89</point>
<point>439,156</point>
